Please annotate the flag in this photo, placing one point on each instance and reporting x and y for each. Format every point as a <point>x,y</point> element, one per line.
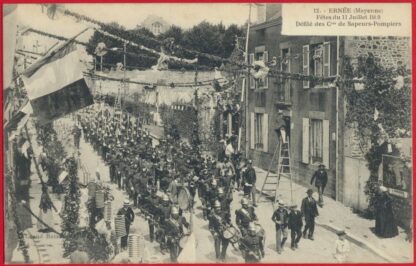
<point>9,42</point>
<point>18,120</point>
<point>55,84</point>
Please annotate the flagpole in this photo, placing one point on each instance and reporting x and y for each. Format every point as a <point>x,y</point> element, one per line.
<point>247,83</point>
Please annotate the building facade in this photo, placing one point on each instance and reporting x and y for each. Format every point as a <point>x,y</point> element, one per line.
<point>155,24</point>
<point>313,111</point>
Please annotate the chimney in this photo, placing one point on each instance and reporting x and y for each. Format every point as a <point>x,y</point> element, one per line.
<point>273,11</point>
<point>261,13</point>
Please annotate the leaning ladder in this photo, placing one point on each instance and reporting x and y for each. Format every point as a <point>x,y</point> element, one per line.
<point>271,182</point>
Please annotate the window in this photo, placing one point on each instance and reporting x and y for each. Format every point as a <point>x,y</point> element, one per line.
<point>156,28</point>
<point>259,131</point>
<point>260,98</point>
<point>316,140</point>
<point>317,61</point>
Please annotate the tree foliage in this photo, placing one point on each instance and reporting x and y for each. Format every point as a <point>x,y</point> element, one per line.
<point>378,111</point>
<point>214,39</point>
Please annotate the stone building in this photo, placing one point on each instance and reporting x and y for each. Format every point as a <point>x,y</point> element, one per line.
<point>313,111</point>
<point>155,24</point>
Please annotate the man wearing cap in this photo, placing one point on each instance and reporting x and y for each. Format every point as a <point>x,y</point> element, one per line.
<point>309,211</point>
<point>244,216</point>
<point>250,245</point>
<point>321,178</point>
<point>218,222</point>
<point>280,218</point>
<point>129,218</point>
<point>295,224</point>
<point>249,182</point>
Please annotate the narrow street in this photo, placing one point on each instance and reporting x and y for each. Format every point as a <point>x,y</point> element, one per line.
<point>318,251</point>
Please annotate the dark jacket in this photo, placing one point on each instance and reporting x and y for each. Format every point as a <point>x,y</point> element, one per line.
<point>295,220</point>
<point>320,177</point>
<point>250,176</point>
<point>128,215</point>
<point>243,217</point>
<point>280,218</point>
<point>309,208</point>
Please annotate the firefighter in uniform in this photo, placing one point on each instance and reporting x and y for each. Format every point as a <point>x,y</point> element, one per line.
<point>250,245</point>
<point>164,212</point>
<point>174,232</point>
<point>218,221</point>
<point>152,205</point>
<point>244,216</point>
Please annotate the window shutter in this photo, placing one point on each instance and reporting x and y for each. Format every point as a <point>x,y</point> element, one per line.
<point>325,143</point>
<point>326,54</point>
<point>250,62</point>
<point>265,57</point>
<point>306,65</point>
<point>305,140</point>
<point>265,60</point>
<point>265,130</point>
<point>230,124</point>
<point>252,130</point>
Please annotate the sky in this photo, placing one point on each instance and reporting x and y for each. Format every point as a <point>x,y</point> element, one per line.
<point>130,15</point>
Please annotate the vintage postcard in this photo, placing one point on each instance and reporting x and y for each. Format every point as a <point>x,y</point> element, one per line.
<point>207,133</point>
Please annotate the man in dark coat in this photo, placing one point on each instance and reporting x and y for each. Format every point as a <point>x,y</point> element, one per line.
<point>129,218</point>
<point>321,178</point>
<point>249,182</point>
<point>295,224</point>
<point>309,211</point>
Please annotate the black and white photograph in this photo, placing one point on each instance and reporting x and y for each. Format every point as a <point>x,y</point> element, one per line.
<point>207,133</point>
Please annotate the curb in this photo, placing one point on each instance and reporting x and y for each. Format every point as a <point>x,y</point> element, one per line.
<point>351,237</point>
<point>358,241</point>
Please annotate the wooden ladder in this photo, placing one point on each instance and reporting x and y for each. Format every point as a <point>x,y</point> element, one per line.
<point>271,182</point>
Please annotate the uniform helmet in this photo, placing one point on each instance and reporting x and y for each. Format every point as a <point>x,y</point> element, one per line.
<point>244,201</point>
<point>214,182</point>
<point>220,190</point>
<point>165,197</point>
<point>174,210</point>
<point>217,204</point>
<point>252,227</point>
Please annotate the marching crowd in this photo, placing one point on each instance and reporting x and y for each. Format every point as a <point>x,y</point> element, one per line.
<point>161,179</point>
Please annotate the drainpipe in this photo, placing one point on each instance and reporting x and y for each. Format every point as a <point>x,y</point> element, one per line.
<point>337,130</point>
<point>247,129</point>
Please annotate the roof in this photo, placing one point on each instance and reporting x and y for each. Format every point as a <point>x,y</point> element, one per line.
<point>149,20</point>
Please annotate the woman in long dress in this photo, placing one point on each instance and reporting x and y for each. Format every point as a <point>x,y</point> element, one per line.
<point>45,211</point>
<point>386,226</point>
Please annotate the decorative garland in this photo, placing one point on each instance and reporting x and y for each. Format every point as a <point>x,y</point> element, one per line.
<point>70,215</point>
<point>243,67</point>
<point>22,244</point>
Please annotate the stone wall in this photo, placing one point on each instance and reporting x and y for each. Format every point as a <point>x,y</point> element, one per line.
<point>392,51</point>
